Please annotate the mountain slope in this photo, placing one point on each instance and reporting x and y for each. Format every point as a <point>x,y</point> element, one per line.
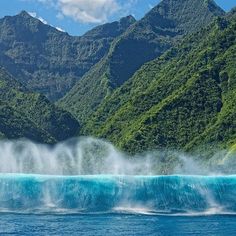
<point>48,61</point>
<point>148,38</point>
<point>24,114</point>
<point>184,99</point>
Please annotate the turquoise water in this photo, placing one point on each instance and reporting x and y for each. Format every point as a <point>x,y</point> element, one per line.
<point>117,205</point>
<point>46,191</point>
<point>189,195</point>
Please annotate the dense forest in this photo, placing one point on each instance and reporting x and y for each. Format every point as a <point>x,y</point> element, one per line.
<point>165,81</point>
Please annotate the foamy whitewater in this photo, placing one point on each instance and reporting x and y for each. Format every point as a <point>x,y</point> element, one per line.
<point>91,176</point>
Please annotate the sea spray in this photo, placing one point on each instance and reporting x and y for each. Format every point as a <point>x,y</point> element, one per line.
<point>83,156</point>
<point>88,175</point>
<point>89,156</point>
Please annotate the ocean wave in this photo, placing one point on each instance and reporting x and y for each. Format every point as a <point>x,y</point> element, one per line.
<point>165,195</point>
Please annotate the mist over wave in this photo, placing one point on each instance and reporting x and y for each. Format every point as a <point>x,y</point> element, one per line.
<point>90,156</point>
<point>88,175</point>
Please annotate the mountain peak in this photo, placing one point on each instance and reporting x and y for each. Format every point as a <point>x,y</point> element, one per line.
<point>190,4</point>
<point>186,15</point>
<point>232,13</point>
<point>112,29</point>
<point>24,18</point>
<point>145,40</point>
<point>210,4</point>
<point>24,14</point>
<point>128,19</point>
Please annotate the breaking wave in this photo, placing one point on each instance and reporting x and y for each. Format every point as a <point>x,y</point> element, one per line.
<point>91,176</point>
<point>130,194</point>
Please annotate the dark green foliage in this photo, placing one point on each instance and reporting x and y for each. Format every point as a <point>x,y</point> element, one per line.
<point>48,61</point>
<point>148,38</point>
<point>183,99</point>
<point>24,114</point>
<point>14,125</point>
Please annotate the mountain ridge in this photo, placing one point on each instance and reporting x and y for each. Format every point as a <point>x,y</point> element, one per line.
<point>143,41</point>
<point>49,61</point>
<point>166,81</point>
<point>183,99</point>
<point>24,114</point>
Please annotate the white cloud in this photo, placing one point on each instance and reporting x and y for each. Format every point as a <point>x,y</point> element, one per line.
<point>34,14</point>
<point>42,20</point>
<point>150,6</point>
<point>60,29</point>
<point>89,11</point>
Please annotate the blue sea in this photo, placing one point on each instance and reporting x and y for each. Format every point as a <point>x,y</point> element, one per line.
<point>116,225</point>
<point>117,205</point>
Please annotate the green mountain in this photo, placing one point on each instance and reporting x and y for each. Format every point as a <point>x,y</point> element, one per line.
<point>148,38</point>
<point>48,61</point>
<point>25,114</point>
<point>182,100</point>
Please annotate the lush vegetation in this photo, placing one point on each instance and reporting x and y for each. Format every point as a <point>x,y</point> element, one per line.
<point>48,61</point>
<point>148,38</point>
<point>24,114</point>
<point>184,99</point>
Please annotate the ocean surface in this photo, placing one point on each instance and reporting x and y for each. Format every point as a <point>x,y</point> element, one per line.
<point>117,205</point>
<point>116,225</point>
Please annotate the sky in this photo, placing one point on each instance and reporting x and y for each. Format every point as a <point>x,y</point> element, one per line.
<point>78,16</point>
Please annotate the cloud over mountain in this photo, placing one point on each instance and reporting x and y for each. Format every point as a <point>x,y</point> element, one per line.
<point>87,11</point>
